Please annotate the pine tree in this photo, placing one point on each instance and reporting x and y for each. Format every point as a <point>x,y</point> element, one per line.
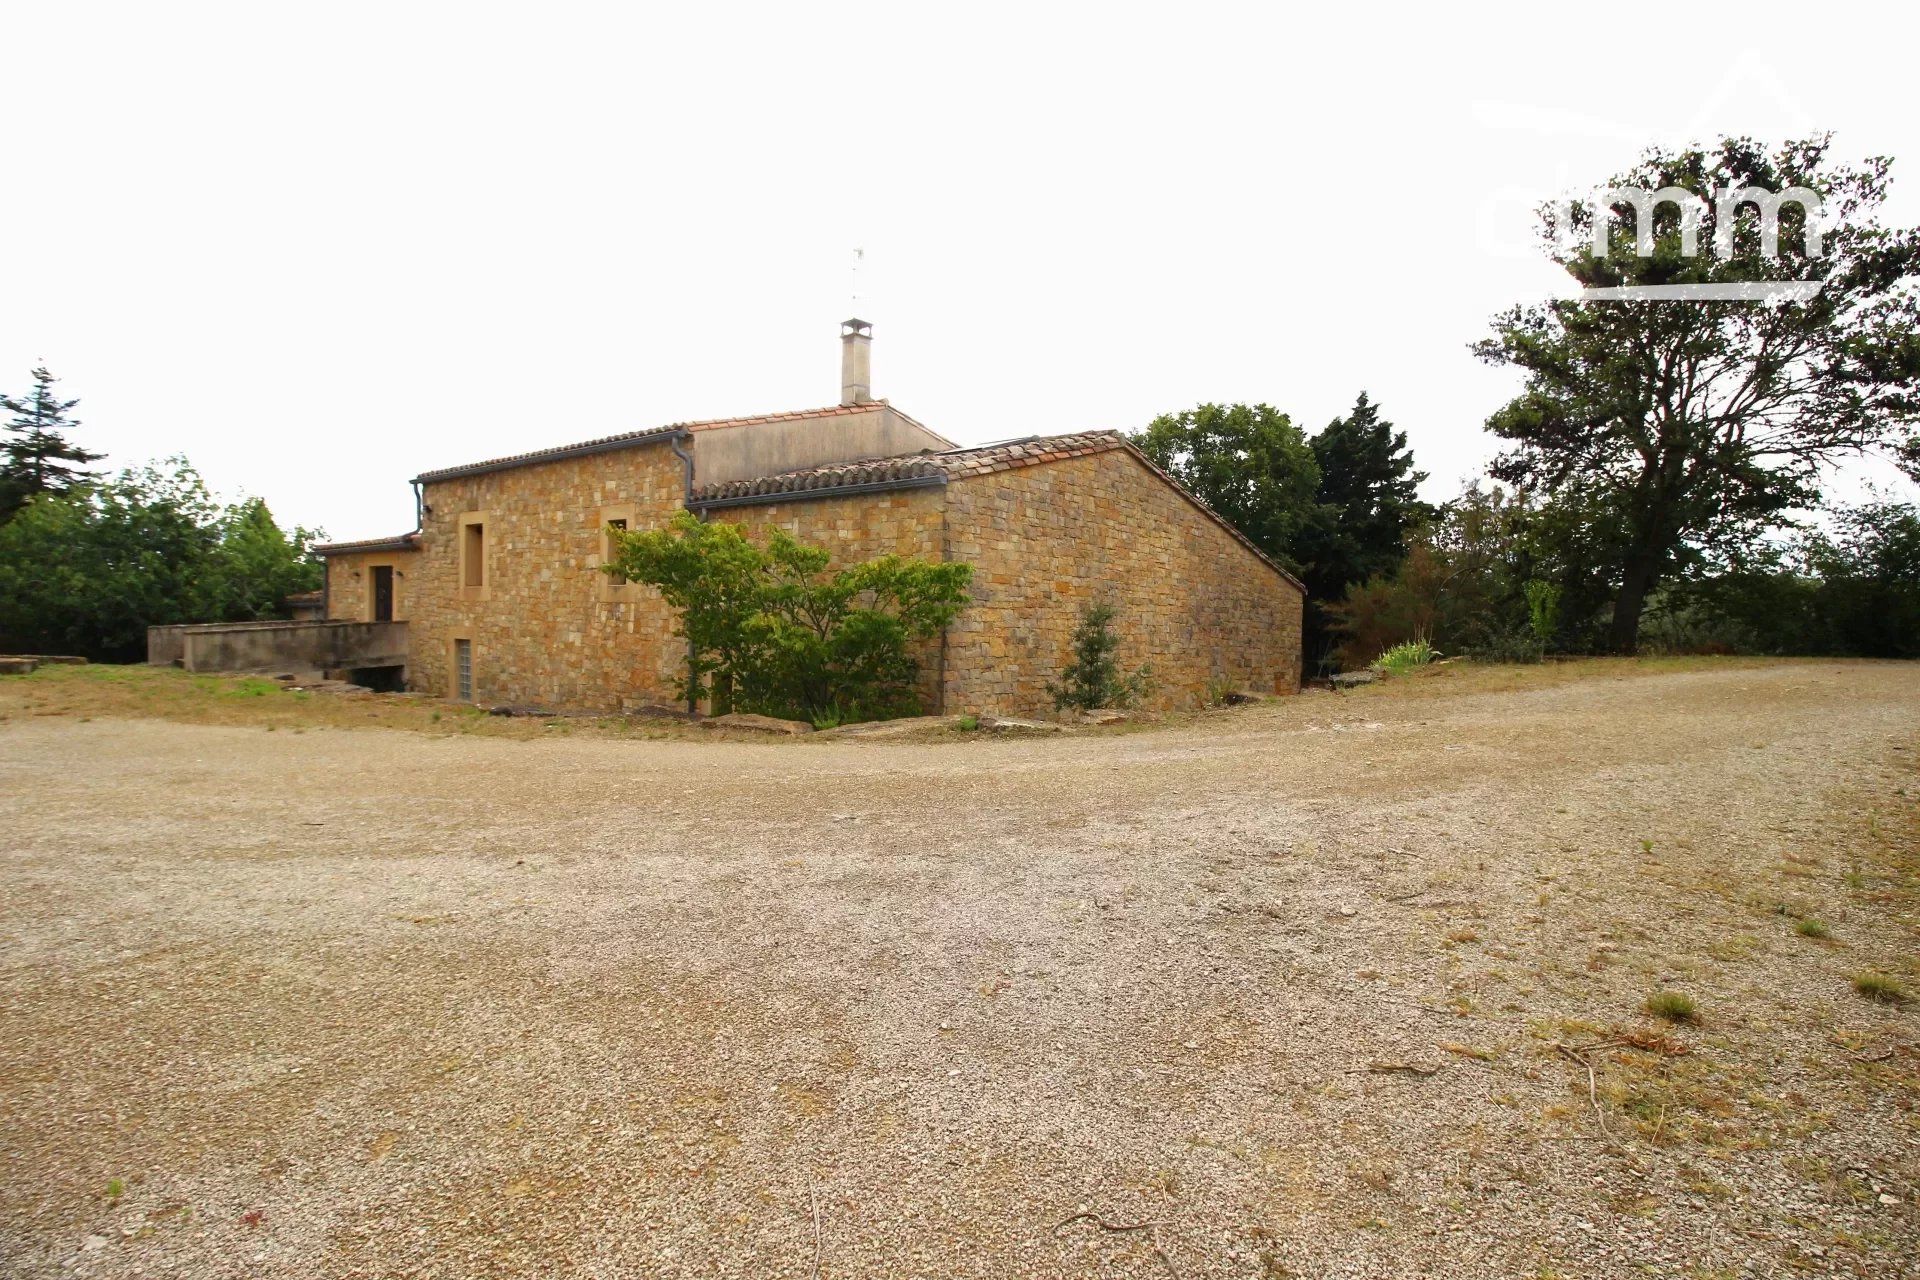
<point>37,457</point>
<point>1371,491</point>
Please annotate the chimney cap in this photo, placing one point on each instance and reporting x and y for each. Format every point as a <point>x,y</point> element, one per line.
<point>848,328</point>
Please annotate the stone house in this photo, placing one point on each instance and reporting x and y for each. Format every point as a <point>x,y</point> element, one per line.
<point>504,601</point>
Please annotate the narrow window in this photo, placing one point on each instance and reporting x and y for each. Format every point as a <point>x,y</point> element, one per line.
<point>609,549</point>
<point>463,670</point>
<point>474,554</point>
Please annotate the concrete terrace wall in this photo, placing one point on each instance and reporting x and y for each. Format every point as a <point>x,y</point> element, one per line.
<point>911,522</point>
<point>1049,540</point>
<point>350,583</point>
<point>166,646</point>
<point>548,627</point>
<point>278,646</point>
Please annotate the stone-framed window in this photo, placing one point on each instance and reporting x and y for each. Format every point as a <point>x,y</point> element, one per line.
<point>476,577</point>
<point>609,589</point>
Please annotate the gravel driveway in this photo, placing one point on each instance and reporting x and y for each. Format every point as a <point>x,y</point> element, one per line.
<point>1314,986</point>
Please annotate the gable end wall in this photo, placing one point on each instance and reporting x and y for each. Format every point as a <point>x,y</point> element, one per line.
<point>1050,540</point>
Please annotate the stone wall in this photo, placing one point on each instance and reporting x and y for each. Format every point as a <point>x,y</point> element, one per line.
<point>910,522</point>
<point>1048,541</point>
<point>546,626</point>
<point>350,589</point>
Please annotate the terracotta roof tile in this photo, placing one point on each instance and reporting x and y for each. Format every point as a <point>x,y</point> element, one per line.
<point>400,542</point>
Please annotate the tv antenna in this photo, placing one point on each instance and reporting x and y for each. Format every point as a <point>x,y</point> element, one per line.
<point>859,256</point>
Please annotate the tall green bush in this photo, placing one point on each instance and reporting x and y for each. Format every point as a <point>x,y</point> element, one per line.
<point>772,629</point>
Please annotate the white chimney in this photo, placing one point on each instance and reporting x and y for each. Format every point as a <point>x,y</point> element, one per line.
<point>856,362</point>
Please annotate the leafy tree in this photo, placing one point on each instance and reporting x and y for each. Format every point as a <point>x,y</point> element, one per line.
<point>1682,427</point>
<point>36,457</point>
<point>1247,462</point>
<point>1869,571</point>
<point>1851,588</point>
<point>832,648</point>
<point>1477,579</point>
<point>258,565</point>
<point>1094,679</point>
<point>88,570</point>
<point>772,629</point>
<point>1336,508</point>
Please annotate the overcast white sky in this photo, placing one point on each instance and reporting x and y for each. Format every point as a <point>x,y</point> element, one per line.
<point>320,248</point>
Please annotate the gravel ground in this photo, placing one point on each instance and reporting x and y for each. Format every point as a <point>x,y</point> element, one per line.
<point>1312,985</point>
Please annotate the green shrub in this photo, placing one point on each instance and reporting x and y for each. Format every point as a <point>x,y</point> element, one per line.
<point>1093,678</point>
<point>1404,657</point>
<point>771,629</point>
<point>967,723</point>
<point>1808,927</point>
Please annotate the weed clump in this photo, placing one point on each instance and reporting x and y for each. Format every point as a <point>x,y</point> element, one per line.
<point>1674,1006</point>
<point>1883,987</point>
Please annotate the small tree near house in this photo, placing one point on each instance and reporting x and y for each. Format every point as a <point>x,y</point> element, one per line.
<point>1093,678</point>
<point>773,630</point>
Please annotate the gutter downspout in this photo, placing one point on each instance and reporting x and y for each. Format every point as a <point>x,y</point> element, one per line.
<point>686,463</point>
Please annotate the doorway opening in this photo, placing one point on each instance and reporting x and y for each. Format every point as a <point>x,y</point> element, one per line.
<point>382,588</point>
<point>380,679</point>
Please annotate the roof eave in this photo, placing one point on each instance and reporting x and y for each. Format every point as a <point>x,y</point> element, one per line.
<point>405,542</point>
<point>564,453</point>
<point>807,495</point>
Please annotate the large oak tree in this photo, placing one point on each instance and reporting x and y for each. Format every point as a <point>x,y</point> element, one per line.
<point>1686,425</point>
